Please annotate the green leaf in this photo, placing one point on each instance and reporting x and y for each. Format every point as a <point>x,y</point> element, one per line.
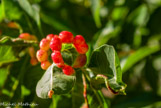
<point>16,41</point>
<point>137,100</point>
<point>77,92</point>
<point>139,16</point>
<point>7,55</point>
<point>1,13</point>
<point>3,72</point>
<point>96,99</point>
<point>52,21</point>
<point>69,54</point>
<point>11,10</point>
<point>33,12</point>
<point>61,83</point>
<point>61,101</point>
<point>96,4</point>
<point>139,55</point>
<point>108,32</point>
<point>104,68</point>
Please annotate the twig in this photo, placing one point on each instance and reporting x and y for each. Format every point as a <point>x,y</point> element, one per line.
<point>85,90</point>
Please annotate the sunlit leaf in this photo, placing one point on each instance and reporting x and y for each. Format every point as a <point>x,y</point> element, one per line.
<point>11,10</point>
<point>61,83</point>
<point>105,66</point>
<point>139,55</point>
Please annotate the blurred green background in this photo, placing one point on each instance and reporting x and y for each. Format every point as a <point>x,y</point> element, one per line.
<point>133,27</point>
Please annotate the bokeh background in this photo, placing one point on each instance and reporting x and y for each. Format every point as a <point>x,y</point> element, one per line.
<point>133,27</point>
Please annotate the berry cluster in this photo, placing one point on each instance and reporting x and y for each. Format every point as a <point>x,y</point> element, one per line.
<point>42,54</point>
<point>31,50</point>
<point>54,42</point>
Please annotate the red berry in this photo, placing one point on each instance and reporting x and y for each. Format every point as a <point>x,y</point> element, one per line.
<point>55,44</point>
<point>81,49</point>
<point>79,39</point>
<point>41,55</point>
<point>50,93</point>
<point>31,52</point>
<point>44,44</point>
<point>66,37</point>
<point>68,70</point>
<point>50,37</point>
<point>33,61</point>
<point>80,61</point>
<point>57,59</point>
<point>45,65</point>
<point>25,36</point>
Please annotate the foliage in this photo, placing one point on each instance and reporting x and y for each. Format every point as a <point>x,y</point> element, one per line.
<point>131,28</point>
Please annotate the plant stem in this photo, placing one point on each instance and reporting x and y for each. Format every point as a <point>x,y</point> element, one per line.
<point>95,92</point>
<point>51,80</point>
<point>85,90</point>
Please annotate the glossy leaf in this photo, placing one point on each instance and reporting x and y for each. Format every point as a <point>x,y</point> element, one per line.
<point>105,67</point>
<point>139,55</point>
<point>61,83</point>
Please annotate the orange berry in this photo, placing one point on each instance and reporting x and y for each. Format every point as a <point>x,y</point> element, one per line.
<point>50,93</point>
<point>41,55</point>
<point>13,25</point>
<point>32,52</point>
<point>33,61</point>
<point>25,36</point>
<point>33,37</point>
<point>44,44</point>
<point>45,65</point>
